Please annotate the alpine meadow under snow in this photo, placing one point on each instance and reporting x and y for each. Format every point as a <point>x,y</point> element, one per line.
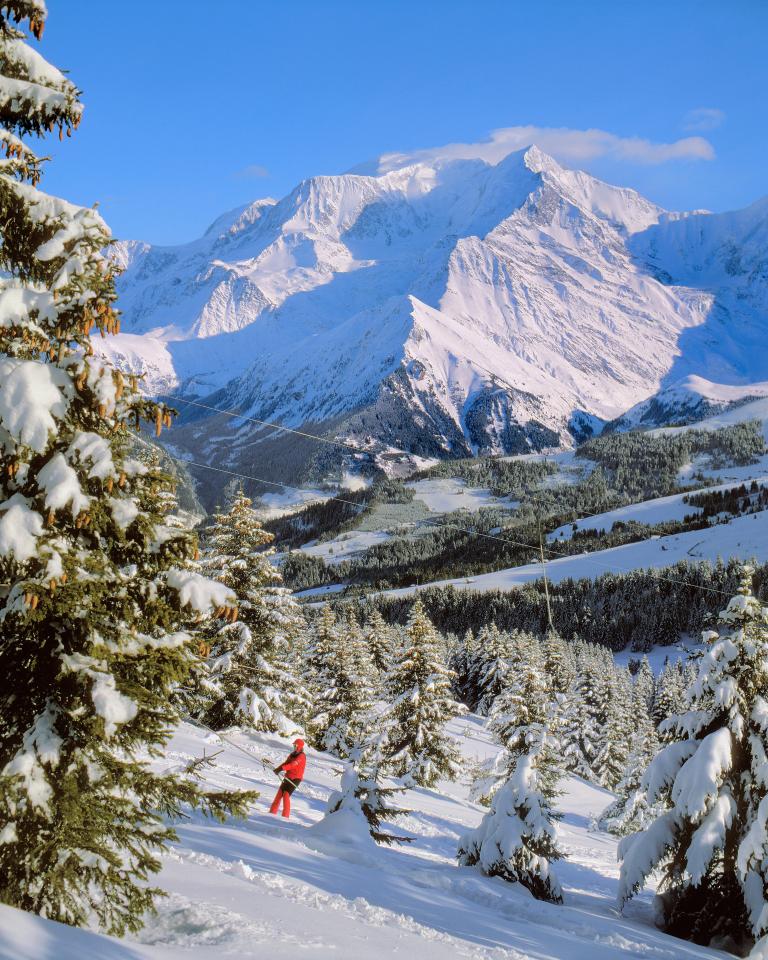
<point>492,680</point>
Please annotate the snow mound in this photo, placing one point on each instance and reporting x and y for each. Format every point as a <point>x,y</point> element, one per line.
<point>25,936</point>
<point>344,834</point>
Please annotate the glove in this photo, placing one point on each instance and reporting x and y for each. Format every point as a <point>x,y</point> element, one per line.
<point>278,770</point>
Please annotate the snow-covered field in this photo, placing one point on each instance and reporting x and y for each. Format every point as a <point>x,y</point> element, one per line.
<point>345,545</point>
<point>745,537</point>
<point>651,511</point>
<point>271,888</point>
<point>320,592</point>
<point>659,655</point>
<point>447,494</point>
<point>701,467</point>
<point>269,506</point>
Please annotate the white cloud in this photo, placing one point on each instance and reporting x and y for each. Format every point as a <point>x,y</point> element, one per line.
<point>703,118</point>
<point>563,143</point>
<point>252,171</point>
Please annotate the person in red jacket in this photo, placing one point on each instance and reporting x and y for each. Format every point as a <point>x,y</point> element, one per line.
<point>292,769</point>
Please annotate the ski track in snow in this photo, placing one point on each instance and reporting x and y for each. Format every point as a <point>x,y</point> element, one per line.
<point>265,887</point>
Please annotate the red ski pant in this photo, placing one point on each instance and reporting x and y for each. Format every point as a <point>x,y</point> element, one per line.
<point>284,794</point>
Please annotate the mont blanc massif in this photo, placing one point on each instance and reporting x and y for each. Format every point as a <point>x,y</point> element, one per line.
<point>446,308</point>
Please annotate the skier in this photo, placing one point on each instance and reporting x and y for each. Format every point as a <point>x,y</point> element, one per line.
<point>292,770</point>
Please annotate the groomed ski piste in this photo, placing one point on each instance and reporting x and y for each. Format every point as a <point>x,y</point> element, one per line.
<point>267,887</point>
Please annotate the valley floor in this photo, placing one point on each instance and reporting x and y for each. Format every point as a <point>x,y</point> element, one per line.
<point>270,888</point>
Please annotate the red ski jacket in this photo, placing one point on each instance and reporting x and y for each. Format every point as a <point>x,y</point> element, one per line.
<point>294,766</point>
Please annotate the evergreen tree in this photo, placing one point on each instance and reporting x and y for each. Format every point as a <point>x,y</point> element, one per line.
<point>251,678</point>
<point>645,686</point>
<point>93,595</point>
<point>630,811</point>
<point>493,667</point>
<point>379,640</point>
<point>524,714</point>
<point>617,726</point>
<point>582,718</point>
<point>711,844</point>
<point>463,665</point>
<point>669,699</point>
<point>362,800</point>
<point>356,642</point>
<point>558,662</point>
<point>517,838</point>
<point>323,638</point>
<point>342,701</point>
<point>417,746</point>
<point>668,631</point>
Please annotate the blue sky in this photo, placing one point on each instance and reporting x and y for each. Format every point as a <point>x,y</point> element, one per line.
<point>191,112</point>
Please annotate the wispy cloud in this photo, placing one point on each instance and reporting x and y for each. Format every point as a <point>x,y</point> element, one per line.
<point>563,143</point>
<point>703,118</point>
<point>252,172</point>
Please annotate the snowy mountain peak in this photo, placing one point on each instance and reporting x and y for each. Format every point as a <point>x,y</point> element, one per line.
<point>446,305</point>
<point>234,221</point>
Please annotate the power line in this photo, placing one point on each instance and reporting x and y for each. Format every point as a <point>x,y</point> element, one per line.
<point>507,540</point>
<point>266,423</point>
<point>476,533</point>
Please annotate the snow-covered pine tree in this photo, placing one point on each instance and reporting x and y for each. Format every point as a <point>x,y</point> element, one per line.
<point>494,663</point>
<point>645,685</point>
<point>165,486</point>
<point>356,642</point>
<point>669,699</point>
<point>417,746</point>
<point>630,811</point>
<point>524,715</point>
<point>250,677</point>
<point>668,631</point>
<point>379,640</point>
<point>581,718</point>
<point>712,843</point>
<point>617,727</point>
<point>323,637</point>
<point>463,665</point>
<point>517,838</point>
<point>93,600</point>
<point>342,693</point>
<point>362,803</point>
<point>558,662</point>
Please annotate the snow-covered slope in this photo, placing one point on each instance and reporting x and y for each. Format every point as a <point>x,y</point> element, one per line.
<point>650,512</point>
<point>694,399</point>
<point>743,537</point>
<point>444,307</point>
<point>269,888</point>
